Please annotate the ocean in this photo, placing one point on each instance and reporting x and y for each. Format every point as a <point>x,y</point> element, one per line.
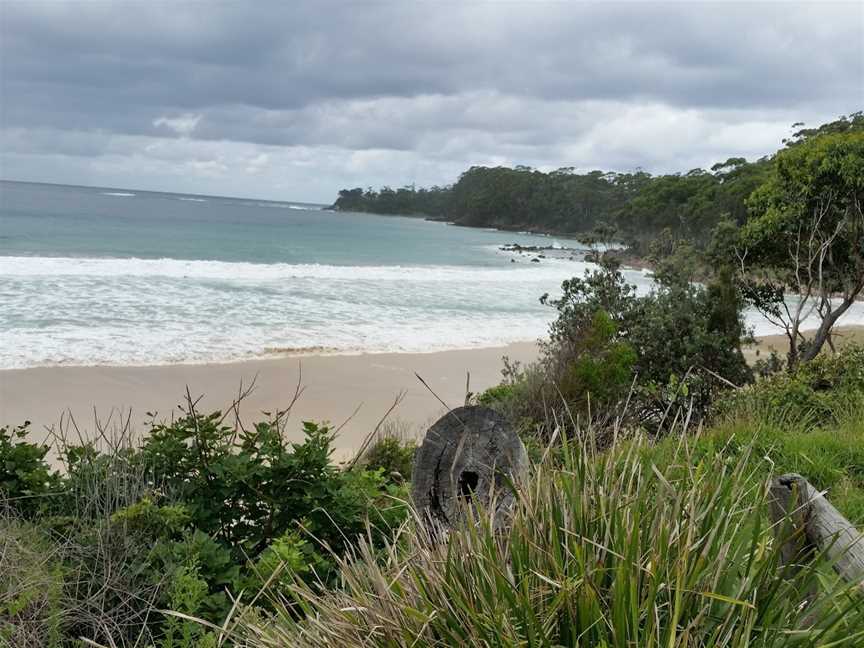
<point>98,276</point>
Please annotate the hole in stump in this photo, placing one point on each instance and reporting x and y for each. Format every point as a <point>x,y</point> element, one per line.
<point>468,483</point>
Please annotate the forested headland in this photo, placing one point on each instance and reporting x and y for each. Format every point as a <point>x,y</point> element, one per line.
<point>633,207</point>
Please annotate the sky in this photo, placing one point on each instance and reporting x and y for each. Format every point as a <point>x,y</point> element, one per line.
<point>294,100</point>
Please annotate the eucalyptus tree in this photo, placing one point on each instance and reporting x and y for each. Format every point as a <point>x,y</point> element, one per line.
<point>801,253</point>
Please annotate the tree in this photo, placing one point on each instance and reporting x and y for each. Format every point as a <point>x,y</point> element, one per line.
<point>801,253</point>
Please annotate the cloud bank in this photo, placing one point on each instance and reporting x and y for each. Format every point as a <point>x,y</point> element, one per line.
<point>296,100</point>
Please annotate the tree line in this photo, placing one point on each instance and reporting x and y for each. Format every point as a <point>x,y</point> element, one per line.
<point>635,208</point>
<point>787,229</point>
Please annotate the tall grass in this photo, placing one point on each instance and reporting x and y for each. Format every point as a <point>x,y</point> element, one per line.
<point>604,550</point>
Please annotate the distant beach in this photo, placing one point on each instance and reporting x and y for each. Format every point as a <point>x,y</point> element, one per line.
<point>354,390</point>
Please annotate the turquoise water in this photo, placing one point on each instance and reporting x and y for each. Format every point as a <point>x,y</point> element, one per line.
<point>53,220</point>
<point>115,276</point>
<point>94,276</point>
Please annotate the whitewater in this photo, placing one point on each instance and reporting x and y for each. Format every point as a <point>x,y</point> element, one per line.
<point>96,276</point>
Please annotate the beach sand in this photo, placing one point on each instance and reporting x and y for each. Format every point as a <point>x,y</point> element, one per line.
<point>335,386</point>
<point>843,336</point>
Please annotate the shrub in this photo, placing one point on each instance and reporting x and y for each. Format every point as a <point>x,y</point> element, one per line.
<point>391,452</point>
<point>677,347</point>
<point>25,476</point>
<point>198,510</point>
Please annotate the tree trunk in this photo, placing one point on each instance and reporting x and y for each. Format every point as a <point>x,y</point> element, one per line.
<point>472,457</point>
<point>824,331</point>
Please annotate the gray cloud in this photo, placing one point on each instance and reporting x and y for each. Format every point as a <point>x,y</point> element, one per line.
<point>395,89</point>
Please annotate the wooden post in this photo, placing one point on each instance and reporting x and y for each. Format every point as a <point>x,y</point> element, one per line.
<point>816,527</point>
<point>469,456</point>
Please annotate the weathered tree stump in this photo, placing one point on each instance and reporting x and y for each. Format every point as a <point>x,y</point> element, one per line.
<point>469,456</point>
<point>816,526</point>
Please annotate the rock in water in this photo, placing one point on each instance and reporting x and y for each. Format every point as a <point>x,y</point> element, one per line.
<point>469,456</point>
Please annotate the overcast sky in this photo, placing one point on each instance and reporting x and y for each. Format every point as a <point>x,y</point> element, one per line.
<point>294,100</point>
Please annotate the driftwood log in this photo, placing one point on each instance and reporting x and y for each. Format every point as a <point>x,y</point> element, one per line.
<point>816,527</point>
<point>469,456</point>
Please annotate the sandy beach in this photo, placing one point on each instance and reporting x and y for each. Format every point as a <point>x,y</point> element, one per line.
<point>334,387</point>
<point>843,336</point>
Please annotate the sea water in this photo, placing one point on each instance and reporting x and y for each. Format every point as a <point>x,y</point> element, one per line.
<point>117,276</point>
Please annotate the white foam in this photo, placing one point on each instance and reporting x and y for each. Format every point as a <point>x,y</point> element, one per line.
<point>192,199</point>
<point>88,311</point>
<point>122,194</point>
<point>26,266</point>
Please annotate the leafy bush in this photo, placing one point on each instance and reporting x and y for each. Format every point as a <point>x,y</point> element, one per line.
<point>198,510</point>
<point>393,457</point>
<point>677,347</point>
<point>25,476</point>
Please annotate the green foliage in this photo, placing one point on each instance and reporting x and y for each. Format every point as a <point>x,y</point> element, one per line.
<point>392,456</point>
<point>854,122</point>
<point>198,510</point>
<point>404,201</point>
<point>603,550</point>
<point>816,393</point>
<point>602,367</point>
<point>496,395</point>
<point>598,205</point>
<point>31,587</point>
<point>690,205</point>
<point>806,236</point>
<point>288,558</point>
<point>247,487</point>
<point>682,341</point>
<point>186,595</point>
<point>25,476</point>
<point>816,431</point>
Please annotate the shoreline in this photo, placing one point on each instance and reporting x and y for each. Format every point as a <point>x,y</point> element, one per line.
<point>356,390</point>
<point>278,355</point>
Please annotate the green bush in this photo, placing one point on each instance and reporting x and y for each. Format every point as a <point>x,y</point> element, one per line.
<point>613,356</point>
<point>391,452</point>
<point>25,476</point>
<point>196,513</point>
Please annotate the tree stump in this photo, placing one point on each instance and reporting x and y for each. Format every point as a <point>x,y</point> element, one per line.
<point>816,526</point>
<point>470,456</point>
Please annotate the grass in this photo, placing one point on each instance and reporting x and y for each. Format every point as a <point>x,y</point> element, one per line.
<point>643,545</point>
<point>831,456</point>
